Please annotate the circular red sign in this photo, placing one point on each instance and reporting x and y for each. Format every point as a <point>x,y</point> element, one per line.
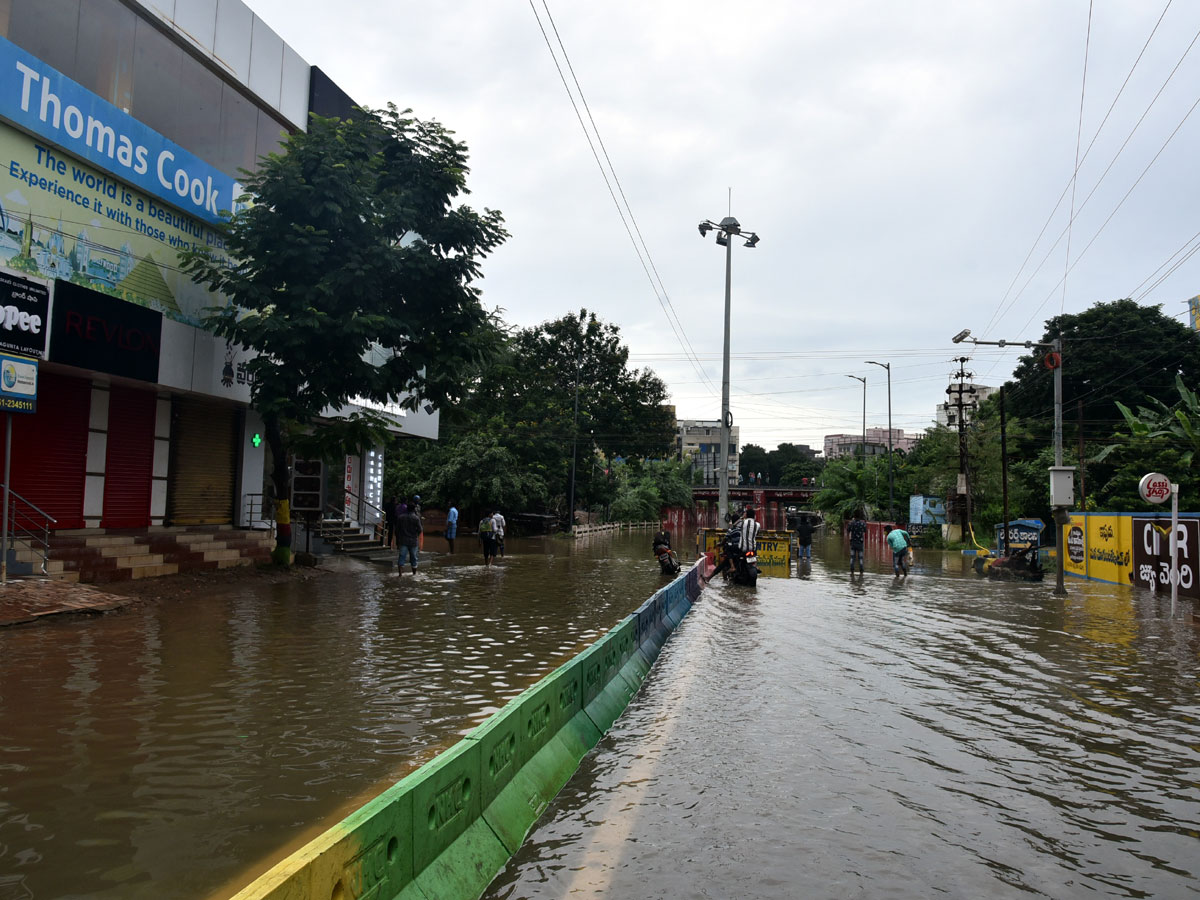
<point>1155,487</point>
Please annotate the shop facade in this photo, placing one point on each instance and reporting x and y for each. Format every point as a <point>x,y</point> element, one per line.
<point>123,125</point>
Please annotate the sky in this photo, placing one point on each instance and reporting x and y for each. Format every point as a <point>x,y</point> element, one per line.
<point>908,167</point>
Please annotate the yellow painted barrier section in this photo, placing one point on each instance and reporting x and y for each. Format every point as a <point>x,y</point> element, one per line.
<point>444,831</point>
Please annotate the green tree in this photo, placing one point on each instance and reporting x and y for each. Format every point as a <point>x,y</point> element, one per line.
<point>1157,438</point>
<point>843,489</point>
<point>794,473</point>
<point>1118,352</point>
<point>753,459</point>
<point>788,455</point>
<point>352,277</point>
<point>622,411</point>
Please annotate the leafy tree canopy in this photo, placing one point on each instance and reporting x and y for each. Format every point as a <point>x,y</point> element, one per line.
<point>352,276</point>
<point>1112,352</point>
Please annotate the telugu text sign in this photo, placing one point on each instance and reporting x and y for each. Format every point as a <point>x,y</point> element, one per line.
<point>1152,554</point>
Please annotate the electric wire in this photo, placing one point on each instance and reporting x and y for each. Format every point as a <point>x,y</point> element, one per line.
<point>1087,46</point>
<point>1099,181</point>
<point>1081,160</point>
<point>668,311</point>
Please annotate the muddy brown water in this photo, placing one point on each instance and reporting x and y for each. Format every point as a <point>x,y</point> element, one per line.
<point>815,737</point>
<point>823,737</point>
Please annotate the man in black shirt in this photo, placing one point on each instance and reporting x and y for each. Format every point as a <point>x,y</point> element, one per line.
<point>408,533</point>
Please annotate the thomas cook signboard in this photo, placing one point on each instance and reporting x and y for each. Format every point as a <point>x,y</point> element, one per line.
<point>45,102</point>
<point>90,195</point>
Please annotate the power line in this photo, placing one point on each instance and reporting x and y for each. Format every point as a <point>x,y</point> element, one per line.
<point>663,298</point>
<point>1001,309</point>
<point>1087,45</point>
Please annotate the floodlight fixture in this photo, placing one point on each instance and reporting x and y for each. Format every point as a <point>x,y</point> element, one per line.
<point>961,336</point>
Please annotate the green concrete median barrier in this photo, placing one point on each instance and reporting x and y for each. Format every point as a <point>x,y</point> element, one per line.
<point>444,831</point>
<point>369,853</point>
<point>606,693</point>
<point>455,851</point>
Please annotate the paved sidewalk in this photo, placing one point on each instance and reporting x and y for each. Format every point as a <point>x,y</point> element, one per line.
<point>30,600</point>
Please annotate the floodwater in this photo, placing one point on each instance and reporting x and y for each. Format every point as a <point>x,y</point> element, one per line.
<point>178,749</point>
<point>943,735</point>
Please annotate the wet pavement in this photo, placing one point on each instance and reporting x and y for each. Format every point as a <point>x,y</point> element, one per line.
<point>943,735</point>
<point>178,748</point>
<point>815,737</point>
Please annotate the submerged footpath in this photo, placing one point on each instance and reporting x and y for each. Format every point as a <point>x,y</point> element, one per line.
<point>29,601</point>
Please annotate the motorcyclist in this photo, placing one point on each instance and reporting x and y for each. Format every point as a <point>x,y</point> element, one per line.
<point>731,545</point>
<point>661,547</point>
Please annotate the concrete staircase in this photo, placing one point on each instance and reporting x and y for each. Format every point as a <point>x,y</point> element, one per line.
<point>355,540</point>
<point>95,556</point>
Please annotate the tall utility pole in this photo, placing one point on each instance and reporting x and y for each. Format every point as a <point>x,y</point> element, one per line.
<point>574,444</point>
<point>961,405</point>
<point>726,229</point>
<point>891,478</point>
<point>1004,472</point>
<point>863,444</point>
<point>1062,478</point>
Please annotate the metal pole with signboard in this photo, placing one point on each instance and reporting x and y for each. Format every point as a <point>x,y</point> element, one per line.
<point>18,394</point>
<point>1154,488</point>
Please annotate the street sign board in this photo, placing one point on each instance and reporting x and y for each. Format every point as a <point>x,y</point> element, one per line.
<point>18,383</point>
<point>1155,487</point>
<point>1152,557</point>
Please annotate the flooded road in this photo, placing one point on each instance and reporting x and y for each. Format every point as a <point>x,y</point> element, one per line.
<point>820,737</point>
<point>178,749</point>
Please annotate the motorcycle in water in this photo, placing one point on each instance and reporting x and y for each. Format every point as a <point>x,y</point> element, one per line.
<point>745,569</point>
<point>738,567</point>
<point>668,562</point>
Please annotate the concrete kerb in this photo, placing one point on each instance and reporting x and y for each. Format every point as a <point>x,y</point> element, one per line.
<point>445,830</point>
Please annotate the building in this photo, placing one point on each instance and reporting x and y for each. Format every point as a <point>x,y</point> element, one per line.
<point>124,123</point>
<point>972,396</point>
<point>876,439</point>
<point>700,442</point>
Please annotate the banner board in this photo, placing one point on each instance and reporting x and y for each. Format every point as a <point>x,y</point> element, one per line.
<point>1151,563</point>
<point>24,315</point>
<point>97,233</point>
<point>18,384</point>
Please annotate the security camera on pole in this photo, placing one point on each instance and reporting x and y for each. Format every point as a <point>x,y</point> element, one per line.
<point>727,228</point>
<point>1062,478</point>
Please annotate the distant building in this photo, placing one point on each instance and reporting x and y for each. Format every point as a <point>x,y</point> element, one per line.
<point>838,445</point>
<point>972,396</point>
<point>699,441</point>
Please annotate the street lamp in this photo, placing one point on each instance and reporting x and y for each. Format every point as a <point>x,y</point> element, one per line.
<point>727,228</point>
<point>1062,486</point>
<point>864,431</point>
<point>891,481</point>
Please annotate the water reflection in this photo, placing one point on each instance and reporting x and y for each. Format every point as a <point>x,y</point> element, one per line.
<point>178,748</point>
<point>941,734</point>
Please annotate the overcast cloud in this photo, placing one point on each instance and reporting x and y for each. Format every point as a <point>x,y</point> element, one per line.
<point>898,160</point>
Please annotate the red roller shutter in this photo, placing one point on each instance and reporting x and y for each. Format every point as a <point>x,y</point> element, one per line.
<point>49,448</point>
<point>129,464</point>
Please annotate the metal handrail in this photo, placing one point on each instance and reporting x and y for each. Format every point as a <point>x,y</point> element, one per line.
<point>24,525</point>
<point>339,516</point>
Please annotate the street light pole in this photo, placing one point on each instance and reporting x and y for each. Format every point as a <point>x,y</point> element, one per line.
<point>891,481</point>
<point>1061,516</point>
<point>863,444</point>
<point>727,228</point>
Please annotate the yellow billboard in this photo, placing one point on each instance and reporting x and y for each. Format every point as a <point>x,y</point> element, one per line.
<point>1109,548</point>
<point>774,549</point>
<point>1074,538</point>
